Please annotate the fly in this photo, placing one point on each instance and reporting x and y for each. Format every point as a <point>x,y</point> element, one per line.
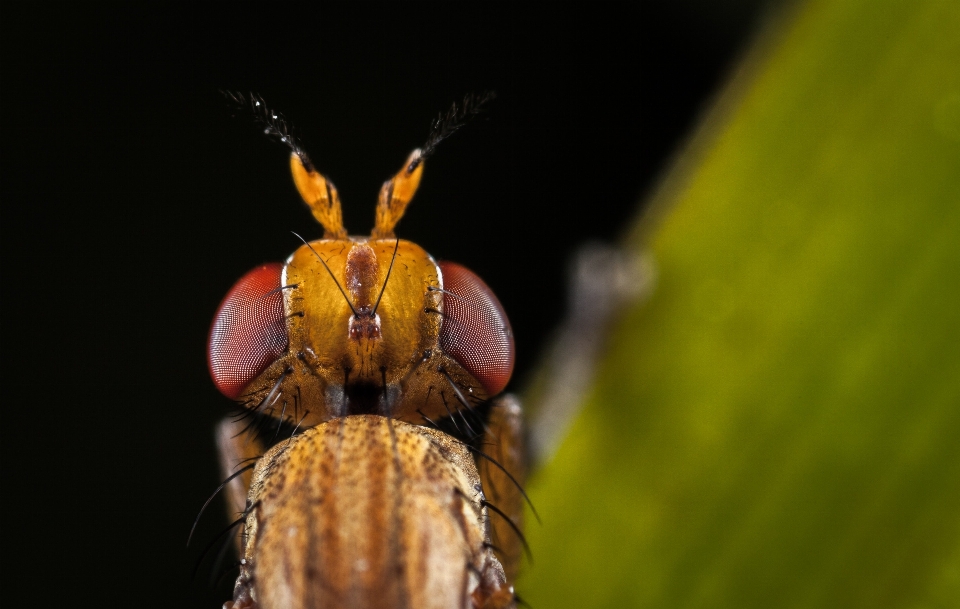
<point>376,461</point>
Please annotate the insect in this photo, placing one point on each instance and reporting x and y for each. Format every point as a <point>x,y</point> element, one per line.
<point>375,462</point>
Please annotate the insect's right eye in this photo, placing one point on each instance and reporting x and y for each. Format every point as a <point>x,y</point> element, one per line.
<point>249,331</point>
<point>476,331</point>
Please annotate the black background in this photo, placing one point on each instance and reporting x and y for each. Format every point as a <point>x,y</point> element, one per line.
<point>132,200</point>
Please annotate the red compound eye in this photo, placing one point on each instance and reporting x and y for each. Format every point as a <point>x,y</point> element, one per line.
<point>475,330</point>
<point>248,332</point>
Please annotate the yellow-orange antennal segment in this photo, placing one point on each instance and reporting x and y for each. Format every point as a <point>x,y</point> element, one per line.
<point>321,197</point>
<point>396,194</point>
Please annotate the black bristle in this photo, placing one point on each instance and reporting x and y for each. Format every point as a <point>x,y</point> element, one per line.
<point>449,123</point>
<point>275,125</point>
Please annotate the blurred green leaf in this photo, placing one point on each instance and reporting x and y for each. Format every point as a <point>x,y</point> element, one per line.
<point>779,425</point>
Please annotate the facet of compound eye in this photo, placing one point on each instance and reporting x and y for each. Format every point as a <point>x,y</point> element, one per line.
<point>476,331</point>
<point>249,331</point>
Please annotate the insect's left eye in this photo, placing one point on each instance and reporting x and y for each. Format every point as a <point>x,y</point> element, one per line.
<point>249,332</point>
<point>475,330</point>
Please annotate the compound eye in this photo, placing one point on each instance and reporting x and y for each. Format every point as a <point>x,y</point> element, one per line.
<point>248,332</point>
<point>475,329</point>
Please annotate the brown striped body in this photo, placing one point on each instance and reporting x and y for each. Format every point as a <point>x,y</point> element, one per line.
<point>368,512</point>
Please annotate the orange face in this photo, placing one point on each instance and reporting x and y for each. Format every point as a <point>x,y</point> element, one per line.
<point>352,325</point>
